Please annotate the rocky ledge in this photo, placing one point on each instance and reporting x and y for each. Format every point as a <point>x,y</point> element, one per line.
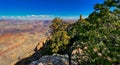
<point>52,60</point>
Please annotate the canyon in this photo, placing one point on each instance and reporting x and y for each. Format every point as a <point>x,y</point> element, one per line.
<point>19,38</point>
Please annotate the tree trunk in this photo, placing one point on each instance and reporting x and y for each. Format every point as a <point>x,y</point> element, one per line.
<point>69,56</point>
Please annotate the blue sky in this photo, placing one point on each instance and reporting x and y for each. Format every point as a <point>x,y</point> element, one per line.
<point>62,8</point>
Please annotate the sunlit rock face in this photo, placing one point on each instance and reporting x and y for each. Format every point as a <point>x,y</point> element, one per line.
<point>19,38</point>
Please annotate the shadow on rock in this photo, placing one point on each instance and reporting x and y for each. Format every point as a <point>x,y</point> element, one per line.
<point>37,55</point>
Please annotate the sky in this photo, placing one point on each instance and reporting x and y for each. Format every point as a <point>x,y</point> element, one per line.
<point>47,8</point>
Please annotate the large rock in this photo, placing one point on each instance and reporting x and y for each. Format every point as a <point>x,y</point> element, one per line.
<point>52,60</point>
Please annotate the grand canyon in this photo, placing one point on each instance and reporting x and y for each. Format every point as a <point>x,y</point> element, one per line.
<point>59,32</point>
<point>19,38</point>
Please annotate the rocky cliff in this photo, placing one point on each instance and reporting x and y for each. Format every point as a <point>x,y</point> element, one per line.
<point>18,46</point>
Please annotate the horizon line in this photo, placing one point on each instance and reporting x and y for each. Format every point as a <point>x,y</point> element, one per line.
<point>40,17</point>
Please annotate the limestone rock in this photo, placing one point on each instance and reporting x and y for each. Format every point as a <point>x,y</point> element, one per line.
<point>52,60</point>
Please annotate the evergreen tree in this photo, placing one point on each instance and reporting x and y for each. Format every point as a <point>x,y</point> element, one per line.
<point>96,38</point>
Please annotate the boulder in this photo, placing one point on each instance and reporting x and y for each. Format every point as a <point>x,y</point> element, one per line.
<point>52,60</point>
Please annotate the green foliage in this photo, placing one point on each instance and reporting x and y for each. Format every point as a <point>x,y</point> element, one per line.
<point>100,35</point>
<point>97,38</point>
<point>111,3</point>
<point>60,39</point>
<point>59,42</point>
